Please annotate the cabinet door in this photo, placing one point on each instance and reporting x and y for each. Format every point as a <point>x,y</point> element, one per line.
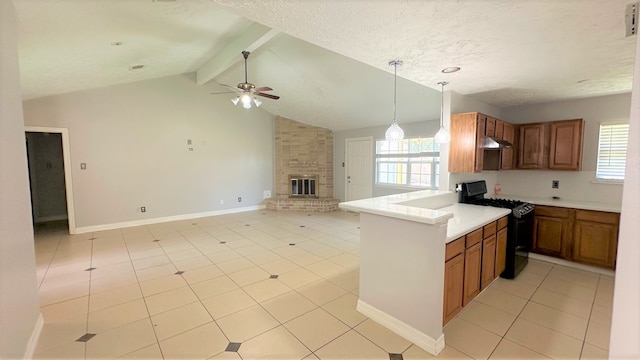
<point>507,153</point>
<point>565,149</point>
<point>472,262</point>
<point>595,243</point>
<point>463,149</point>
<point>480,130</point>
<point>490,129</point>
<point>488,260</point>
<point>548,235</point>
<point>501,251</point>
<point>531,152</point>
<point>453,287</point>
<point>499,129</point>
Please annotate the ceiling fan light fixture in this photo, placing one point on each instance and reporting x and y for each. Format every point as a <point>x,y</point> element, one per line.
<point>257,102</point>
<point>394,132</point>
<point>246,100</point>
<point>235,100</point>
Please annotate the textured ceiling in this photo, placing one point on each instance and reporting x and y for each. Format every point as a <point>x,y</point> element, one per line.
<point>511,52</point>
<point>330,62</point>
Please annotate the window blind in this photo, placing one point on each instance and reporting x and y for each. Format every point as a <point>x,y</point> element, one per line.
<point>612,151</point>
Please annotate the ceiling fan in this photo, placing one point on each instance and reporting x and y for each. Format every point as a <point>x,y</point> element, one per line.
<point>247,91</point>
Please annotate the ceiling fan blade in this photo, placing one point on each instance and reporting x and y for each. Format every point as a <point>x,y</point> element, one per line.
<point>223,92</point>
<point>264,88</point>
<point>274,97</point>
<point>234,88</point>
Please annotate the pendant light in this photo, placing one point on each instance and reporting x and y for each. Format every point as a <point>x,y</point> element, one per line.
<point>442,136</point>
<point>394,132</point>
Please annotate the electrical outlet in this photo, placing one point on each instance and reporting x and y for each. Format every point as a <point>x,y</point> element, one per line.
<point>221,202</point>
<point>266,194</point>
<point>143,209</point>
<point>239,199</point>
<point>555,184</point>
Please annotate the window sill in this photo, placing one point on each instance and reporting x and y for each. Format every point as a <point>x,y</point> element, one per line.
<point>408,187</point>
<point>608,182</point>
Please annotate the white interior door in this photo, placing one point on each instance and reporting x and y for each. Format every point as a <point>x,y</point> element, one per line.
<point>359,168</point>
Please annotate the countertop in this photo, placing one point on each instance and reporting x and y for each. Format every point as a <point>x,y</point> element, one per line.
<point>419,206</point>
<point>430,207</point>
<point>575,204</point>
<point>467,218</point>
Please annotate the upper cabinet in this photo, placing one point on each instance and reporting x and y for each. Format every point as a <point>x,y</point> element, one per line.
<point>466,151</point>
<point>555,145</point>
<point>533,150</point>
<point>508,134</point>
<point>565,151</point>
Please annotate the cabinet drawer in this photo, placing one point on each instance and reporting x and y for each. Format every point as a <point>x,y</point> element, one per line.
<point>454,248</point>
<point>552,211</point>
<point>598,216</point>
<point>489,229</point>
<point>502,222</point>
<point>474,237</point>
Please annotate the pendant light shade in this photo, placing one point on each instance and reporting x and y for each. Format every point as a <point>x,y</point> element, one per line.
<point>442,136</point>
<point>394,132</point>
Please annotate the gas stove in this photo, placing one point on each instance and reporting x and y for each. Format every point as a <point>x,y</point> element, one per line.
<point>520,225</point>
<point>518,208</point>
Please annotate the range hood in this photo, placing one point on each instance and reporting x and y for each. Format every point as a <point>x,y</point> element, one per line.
<point>489,142</point>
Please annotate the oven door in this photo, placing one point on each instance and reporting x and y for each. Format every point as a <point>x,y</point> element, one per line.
<point>519,242</point>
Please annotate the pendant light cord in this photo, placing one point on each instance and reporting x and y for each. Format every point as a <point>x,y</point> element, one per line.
<point>443,83</point>
<point>395,89</point>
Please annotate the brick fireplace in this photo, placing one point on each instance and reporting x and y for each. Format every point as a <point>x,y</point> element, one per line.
<point>302,152</point>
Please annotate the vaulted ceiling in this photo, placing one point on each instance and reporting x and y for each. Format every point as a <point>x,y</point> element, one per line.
<point>328,60</point>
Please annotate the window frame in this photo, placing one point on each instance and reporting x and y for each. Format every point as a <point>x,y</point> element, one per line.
<point>598,170</point>
<point>434,176</point>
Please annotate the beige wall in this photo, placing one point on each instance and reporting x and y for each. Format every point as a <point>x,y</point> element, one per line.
<point>133,138</point>
<point>574,185</point>
<point>19,308</point>
<point>302,149</point>
<point>625,325</point>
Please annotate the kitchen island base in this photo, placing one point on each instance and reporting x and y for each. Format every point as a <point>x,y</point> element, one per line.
<point>402,277</point>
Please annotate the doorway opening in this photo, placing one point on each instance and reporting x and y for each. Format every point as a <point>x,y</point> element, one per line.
<point>49,165</point>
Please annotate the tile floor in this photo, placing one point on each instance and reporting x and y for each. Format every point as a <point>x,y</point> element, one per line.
<point>281,285</point>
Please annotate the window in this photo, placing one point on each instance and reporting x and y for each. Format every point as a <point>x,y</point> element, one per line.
<point>410,162</point>
<point>612,151</point>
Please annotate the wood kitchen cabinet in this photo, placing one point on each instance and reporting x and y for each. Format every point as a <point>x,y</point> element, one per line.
<point>552,230</point>
<point>488,255</point>
<point>555,145</point>
<point>466,154</point>
<point>533,146</point>
<point>508,134</point>
<point>501,248</point>
<point>595,238</point>
<point>584,236</point>
<point>453,279</point>
<point>565,148</point>
<point>472,265</point>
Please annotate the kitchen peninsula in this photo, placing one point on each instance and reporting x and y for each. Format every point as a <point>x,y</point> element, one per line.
<point>402,256</point>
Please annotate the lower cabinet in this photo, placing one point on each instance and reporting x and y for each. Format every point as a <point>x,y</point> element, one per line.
<point>472,268</point>
<point>453,279</point>
<point>584,236</point>
<point>595,238</point>
<point>471,263</point>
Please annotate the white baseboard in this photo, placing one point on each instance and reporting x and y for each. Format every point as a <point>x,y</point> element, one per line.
<point>35,336</point>
<point>86,229</point>
<point>422,340</point>
<point>572,264</point>
<point>51,218</point>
